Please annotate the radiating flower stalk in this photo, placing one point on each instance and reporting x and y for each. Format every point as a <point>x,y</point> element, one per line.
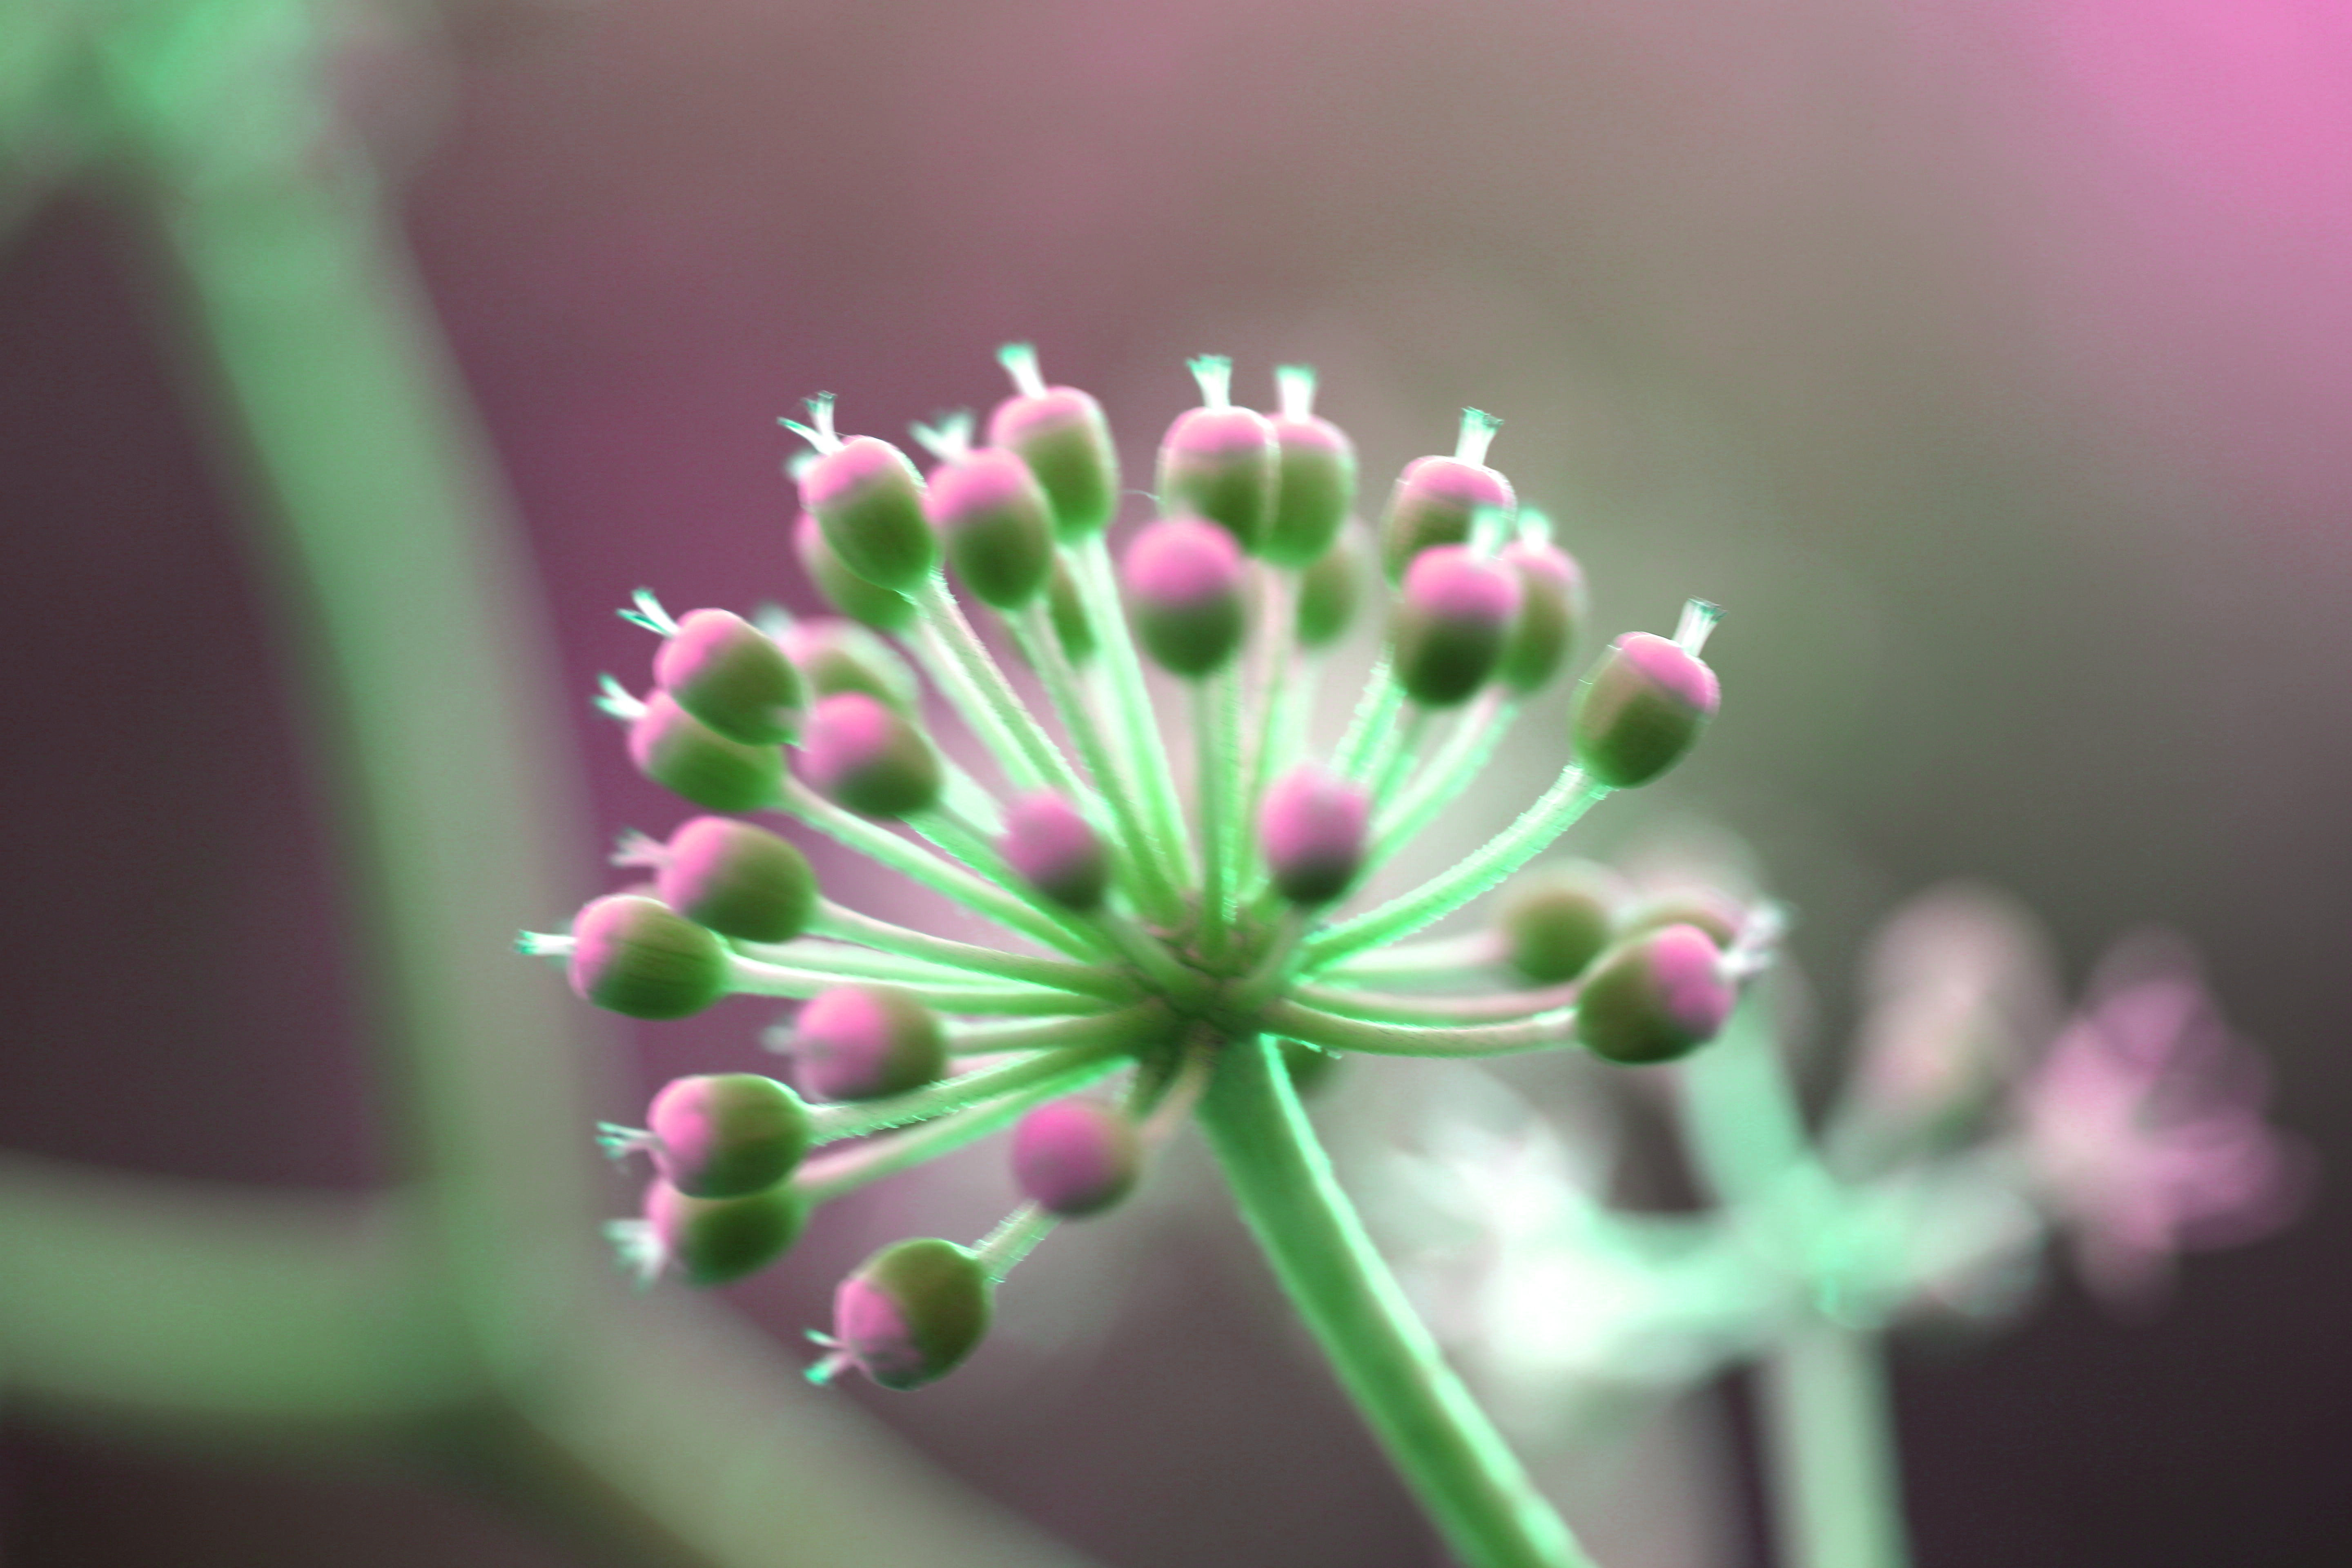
<point>1174,886</point>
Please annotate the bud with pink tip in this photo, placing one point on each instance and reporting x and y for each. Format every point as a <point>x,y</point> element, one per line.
<point>1076,1157</point>
<point>1312,829</point>
<point>712,1241</point>
<point>1219,461</point>
<point>1330,589</point>
<point>634,956</point>
<point>997,526</point>
<point>731,675</point>
<point>867,498</point>
<point>1654,999</point>
<point>835,654</point>
<point>867,1042</point>
<point>723,1135</point>
<point>1645,704</point>
<point>1552,610</point>
<point>912,1313</point>
<point>739,879</point>
<point>1436,499</point>
<point>1452,621</point>
<point>1055,850</point>
<point>1185,579</point>
<point>1314,474</point>
<point>1061,433</point>
<point>683,754</point>
<point>868,757</point>
<point>1556,920</point>
<point>882,609</point>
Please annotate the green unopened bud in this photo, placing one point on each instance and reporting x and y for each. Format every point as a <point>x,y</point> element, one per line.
<point>1552,609</point>
<point>686,756</point>
<point>711,1241</point>
<point>867,1042</point>
<point>835,656</point>
<point>1076,1157</point>
<point>1183,580</point>
<point>866,496</point>
<point>1555,921</point>
<point>1061,433</point>
<point>1067,610</point>
<point>1219,461</point>
<point>1654,999</point>
<point>1437,500</point>
<point>1329,590</point>
<point>636,956</point>
<point>724,1135</point>
<point>881,608</point>
<point>1642,706</point>
<point>997,526</point>
<point>1314,474</point>
<point>740,880</point>
<point>731,675</point>
<point>1452,621</point>
<point>912,1313</point>
<point>865,756</point>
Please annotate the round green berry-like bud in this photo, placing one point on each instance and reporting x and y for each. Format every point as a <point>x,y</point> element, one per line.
<point>686,756</point>
<point>862,754</point>
<point>996,524</point>
<point>1329,591</point>
<point>867,1042</point>
<point>844,590</point>
<point>866,496</point>
<point>712,1241</point>
<point>912,1313</point>
<point>1654,999</point>
<point>731,675</point>
<point>1220,464</point>
<point>1555,921</point>
<point>1640,709</point>
<point>1183,579</point>
<point>1436,499</point>
<point>1552,609</point>
<point>724,1135</point>
<point>1452,621</point>
<point>1067,610</point>
<point>1315,476</point>
<point>739,879</point>
<point>835,656</point>
<point>1055,850</point>
<point>1711,910</point>
<point>633,955</point>
<point>1076,1157</point>
<point>1312,827</point>
<point>1061,433</point>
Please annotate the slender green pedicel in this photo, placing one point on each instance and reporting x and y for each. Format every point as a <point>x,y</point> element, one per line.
<point>1183,937</point>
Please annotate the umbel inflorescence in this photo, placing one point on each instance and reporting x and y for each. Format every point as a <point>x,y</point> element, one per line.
<point>1175,886</point>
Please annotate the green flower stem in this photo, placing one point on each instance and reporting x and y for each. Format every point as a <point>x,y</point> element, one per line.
<point>960,841</point>
<point>1829,1431</point>
<point>1134,864</point>
<point>1443,1444</point>
<point>1213,724</point>
<point>1152,960</point>
<point>1390,1007</point>
<point>1444,960</point>
<point>982,693</point>
<point>1545,1032</point>
<point>1096,1037</point>
<point>1461,759</point>
<point>1016,1237</point>
<point>1146,749</point>
<point>1392,754</point>
<point>878,844</point>
<point>1277,642</point>
<point>849,962</point>
<point>833,920</point>
<point>829,1176</point>
<point>994,1037</point>
<point>1500,855</point>
<point>1375,710</point>
<point>969,799</point>
<point>751,977</point>
<point>1830,1448</point>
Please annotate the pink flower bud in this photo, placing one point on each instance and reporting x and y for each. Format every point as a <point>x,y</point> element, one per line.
<point>1656,999</point>
<point>1312,827</point>
<point>1452,622</point>
<point>1076,1157</point>
<point>866,1042</point>
<point>868,757</point>
<point>997,525</point>
<point>632,955</point>
<point>1055,850</point>
<point>722,1135</point>
<point>738,880</point>
<point>1183,579</point>
<point>866,496</point>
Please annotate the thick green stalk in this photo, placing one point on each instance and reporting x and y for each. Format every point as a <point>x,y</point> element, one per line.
<point>1544,1032</point>
<point>1445,1447</point>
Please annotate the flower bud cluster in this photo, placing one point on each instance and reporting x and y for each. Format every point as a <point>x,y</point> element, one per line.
<point>1173,878</point>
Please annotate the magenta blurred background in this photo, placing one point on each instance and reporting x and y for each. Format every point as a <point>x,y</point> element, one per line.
<point>1987,361</point>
